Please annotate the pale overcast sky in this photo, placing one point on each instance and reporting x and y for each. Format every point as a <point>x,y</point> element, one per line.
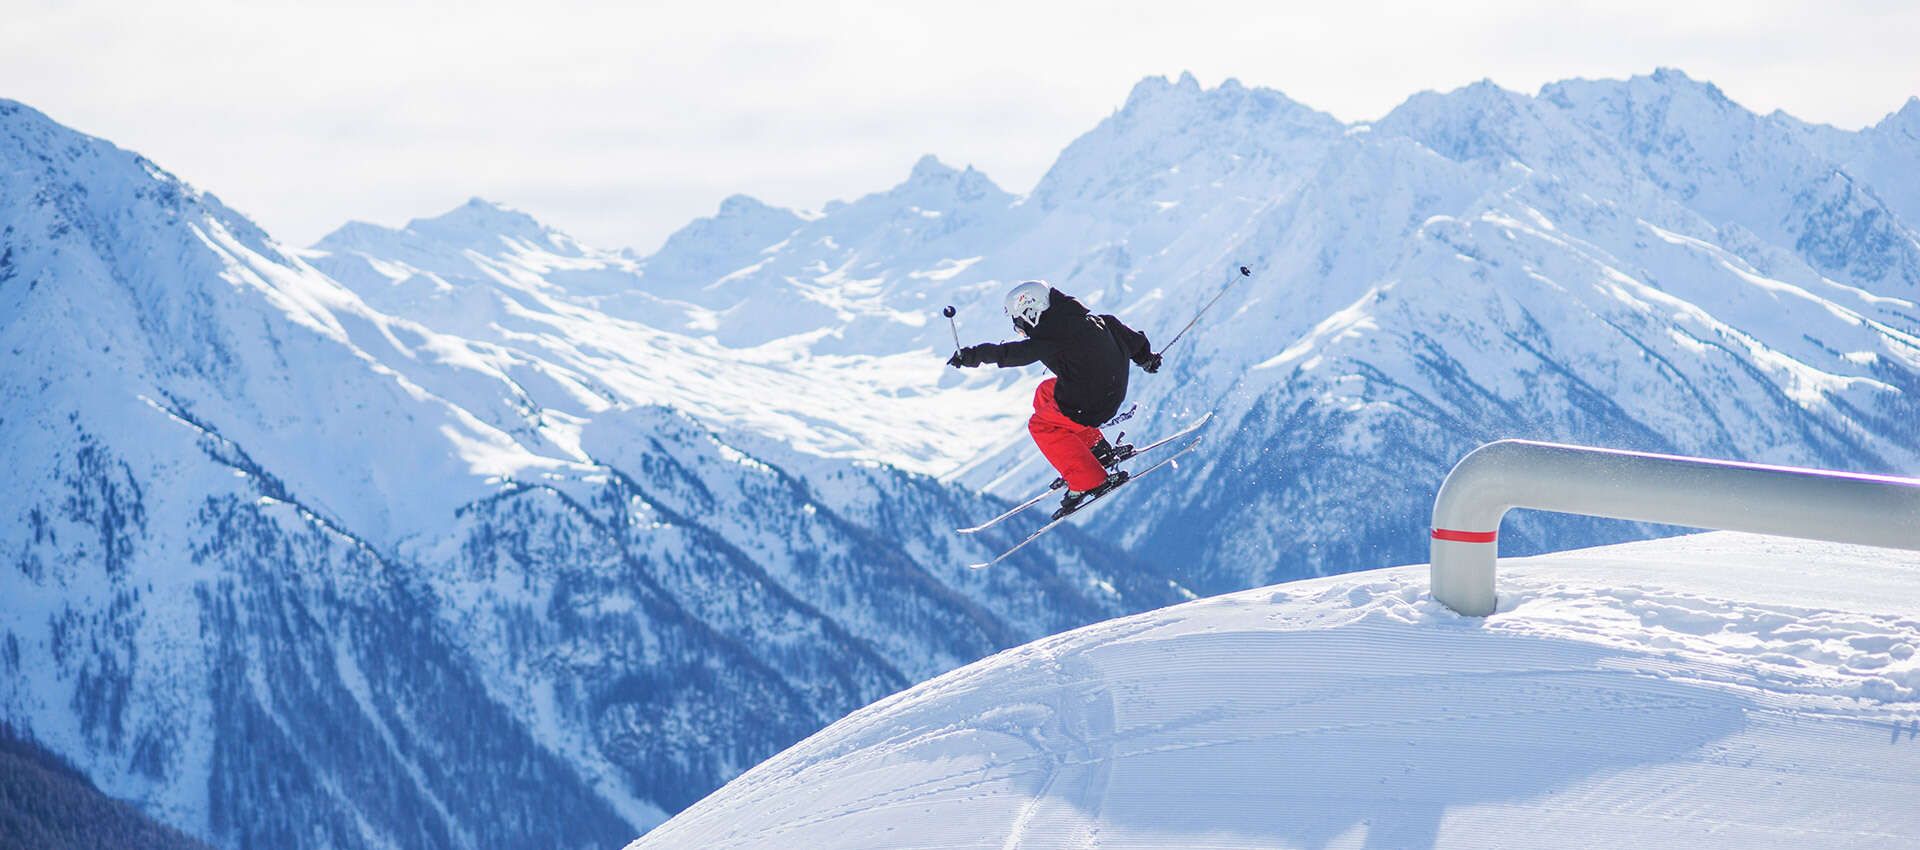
<point>620,124</point>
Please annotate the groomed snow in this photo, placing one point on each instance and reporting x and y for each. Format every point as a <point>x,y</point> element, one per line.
<point>1719,690</point>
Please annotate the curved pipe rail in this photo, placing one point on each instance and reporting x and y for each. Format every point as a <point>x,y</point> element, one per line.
<point>1817,504</point>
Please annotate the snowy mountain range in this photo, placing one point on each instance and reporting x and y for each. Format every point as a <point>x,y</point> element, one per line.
<point>464,533</point>
<point>1639,263</point>
<point>287,569</point>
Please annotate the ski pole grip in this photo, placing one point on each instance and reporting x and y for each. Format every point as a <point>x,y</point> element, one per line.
<point>954,326</point>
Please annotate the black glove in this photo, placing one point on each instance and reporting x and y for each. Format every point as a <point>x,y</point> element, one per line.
<point>968,357</point>
<point>1150,363</point>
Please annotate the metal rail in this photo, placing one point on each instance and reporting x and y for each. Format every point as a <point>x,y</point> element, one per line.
<point>1816,504</point>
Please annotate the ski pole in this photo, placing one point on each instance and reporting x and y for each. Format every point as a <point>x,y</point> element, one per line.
<point>952,324</point>
<point>1244,272</point>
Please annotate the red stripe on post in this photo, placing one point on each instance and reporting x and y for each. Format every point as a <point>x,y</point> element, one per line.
<point>1451,535</point>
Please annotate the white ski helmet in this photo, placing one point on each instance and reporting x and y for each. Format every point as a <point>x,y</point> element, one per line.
<point>1025,303</point>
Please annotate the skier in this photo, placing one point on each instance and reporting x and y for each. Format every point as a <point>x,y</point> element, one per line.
<point>1088,356</point>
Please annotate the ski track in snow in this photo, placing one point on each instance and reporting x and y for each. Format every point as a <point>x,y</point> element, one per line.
<point>1622,695</point>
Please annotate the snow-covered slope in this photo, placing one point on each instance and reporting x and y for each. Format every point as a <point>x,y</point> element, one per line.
<point>288,570</point>
<point>1718,690</point>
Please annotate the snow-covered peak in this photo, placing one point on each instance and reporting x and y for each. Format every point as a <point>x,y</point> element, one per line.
<point>744,206</point>
<point>929,168</point>
<point>936,181</point>
<point>472,255</point>
<point>933,192</point>
<point>166,295</point>
<point>481,216</point>
<point>1173,135</point>
<point>1663,91</point>
<point>1480,94</point>
<point>1678,81</point>
<point>478,225</point>
<point>779,273</point>
<point>31,133</point>
<point>1492,129</point>
<point>1768,175</point>
<point>1155,100</point>
<point>711,247</point>
<point>1886,154</point>
<point>1904,122</point>
<point>1154,88</point>
<point>738,216</point>
<point>129,189</point>
<point>1644,107</point>
<point>1158,91</point>
<point>1476,121</point>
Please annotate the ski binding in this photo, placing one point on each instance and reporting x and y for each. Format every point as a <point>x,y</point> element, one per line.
<point>1057,483</point>
<point>1092,499</point>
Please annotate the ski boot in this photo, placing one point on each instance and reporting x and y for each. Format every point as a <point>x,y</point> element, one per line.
<point>1109,454</point>
<point>1075,498</point>
<point>1104,453</point>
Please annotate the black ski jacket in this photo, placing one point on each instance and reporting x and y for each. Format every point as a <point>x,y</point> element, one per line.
<point>1088,353</point>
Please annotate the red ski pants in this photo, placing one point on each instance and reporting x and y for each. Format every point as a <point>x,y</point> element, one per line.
<point>1067,444</point>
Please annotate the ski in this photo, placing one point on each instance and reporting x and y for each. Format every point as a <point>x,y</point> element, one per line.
<point>1010,512</point>
<point>1090,500</point>
<point>1057,483</point>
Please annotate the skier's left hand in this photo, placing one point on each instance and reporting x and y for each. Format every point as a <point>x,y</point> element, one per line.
<point>968,357</point>
<point>1151,364</point>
